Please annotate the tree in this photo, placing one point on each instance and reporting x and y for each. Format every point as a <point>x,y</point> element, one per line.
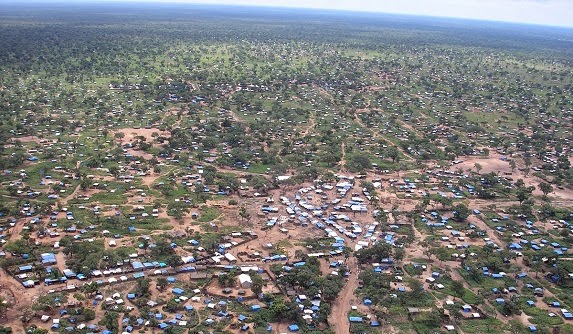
<point>244,214</point>
<point>109,321</point>
<point>85,184</point>
<point>257,284</point>
<point>545,188</point>
<point>524,193</point>
<point>174,260</point>
<point>513,165</point>
<point>358,162</point>
<point>457,288</point>
<point>173,306</point>
<point>399,254</point>
<point>393,153</point>
<point>511,306</point>
<point>478,167</point>
<point>461,212</point>
<point>162,283</point>
<point>177,209</point>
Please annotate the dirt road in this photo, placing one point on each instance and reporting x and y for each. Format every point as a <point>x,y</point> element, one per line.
<point>339,315</point>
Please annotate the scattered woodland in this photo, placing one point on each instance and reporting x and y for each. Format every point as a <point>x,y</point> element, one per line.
<point>196,169</point>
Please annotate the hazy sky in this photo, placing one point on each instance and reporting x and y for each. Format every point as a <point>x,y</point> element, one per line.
<point>547,12</point>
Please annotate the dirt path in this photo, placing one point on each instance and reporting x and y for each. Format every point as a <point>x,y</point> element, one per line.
<point>343,158</point>
<point>339,315</point>
<point>23,298</point>
<point>71,196</point>
<point>323,91</point>
<point>311,125</point>
<point>494,236</point>
<point>16,231</point>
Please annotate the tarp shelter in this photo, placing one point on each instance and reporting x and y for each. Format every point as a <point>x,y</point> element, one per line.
<point>293,328</point>
<point>137,265</point>
<point>48,258</point>
<point>25,268</point>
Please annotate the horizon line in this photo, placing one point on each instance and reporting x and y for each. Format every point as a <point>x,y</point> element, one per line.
<point>271,6</point>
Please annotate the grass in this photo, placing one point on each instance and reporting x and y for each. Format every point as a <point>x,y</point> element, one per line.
<point>208,214</point>
<point>258,168</point>
<point>541,317</point>
<point>489,325</point>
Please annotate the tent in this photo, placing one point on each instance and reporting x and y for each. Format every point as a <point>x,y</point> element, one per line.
<point>293,328</point>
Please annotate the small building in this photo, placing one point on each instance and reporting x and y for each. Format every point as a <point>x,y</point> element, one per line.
<point>245,281</point>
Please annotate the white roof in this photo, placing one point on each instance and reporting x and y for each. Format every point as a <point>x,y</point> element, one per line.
<point>244,278</point>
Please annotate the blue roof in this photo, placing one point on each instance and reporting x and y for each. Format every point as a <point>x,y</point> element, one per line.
<point>137,265</point>
<point>293,328</point>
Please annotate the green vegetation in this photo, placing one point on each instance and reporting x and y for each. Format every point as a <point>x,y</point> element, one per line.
<point>151,134</point>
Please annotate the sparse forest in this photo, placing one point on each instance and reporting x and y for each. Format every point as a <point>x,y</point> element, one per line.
<point>191,168</point>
